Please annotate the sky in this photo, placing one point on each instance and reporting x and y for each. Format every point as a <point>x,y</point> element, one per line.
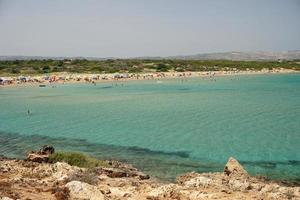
<point>132,28</point>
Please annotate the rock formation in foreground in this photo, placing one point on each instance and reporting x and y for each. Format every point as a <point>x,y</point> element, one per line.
<point>35,179</point>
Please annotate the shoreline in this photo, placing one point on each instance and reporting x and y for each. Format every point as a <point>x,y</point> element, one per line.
<point>41,177</point>
<point>73,78</point>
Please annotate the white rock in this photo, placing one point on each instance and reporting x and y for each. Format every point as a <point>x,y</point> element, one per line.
<point>83,191</point>
<point>119,193</point>
<point>5,198</point>
<point>197,195</point>
<point>267,188</point>
<point>161,191</point>
<point>198,181</point>
<point>239,185</point>
<point>62,170</point>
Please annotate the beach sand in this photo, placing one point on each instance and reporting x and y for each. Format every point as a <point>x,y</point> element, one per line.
<point>93,78</point>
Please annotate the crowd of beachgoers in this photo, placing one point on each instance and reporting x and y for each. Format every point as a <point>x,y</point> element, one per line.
<point>93,78</point>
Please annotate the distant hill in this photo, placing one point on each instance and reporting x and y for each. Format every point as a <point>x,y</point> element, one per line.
<point>48,57</point>
<point>238,56</point>
<point>243,56</point>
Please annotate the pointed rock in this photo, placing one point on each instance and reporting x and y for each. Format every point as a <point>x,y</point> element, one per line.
<point>233,167</point>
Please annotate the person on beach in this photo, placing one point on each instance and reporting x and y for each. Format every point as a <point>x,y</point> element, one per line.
<point>28,112</point>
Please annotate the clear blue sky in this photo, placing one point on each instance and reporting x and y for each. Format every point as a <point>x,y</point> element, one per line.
<point>128,28</point>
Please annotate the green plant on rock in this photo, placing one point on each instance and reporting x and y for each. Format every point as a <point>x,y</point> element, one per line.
<point>77,159</point>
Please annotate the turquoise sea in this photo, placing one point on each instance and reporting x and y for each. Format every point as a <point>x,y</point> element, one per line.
<point>163,128</point>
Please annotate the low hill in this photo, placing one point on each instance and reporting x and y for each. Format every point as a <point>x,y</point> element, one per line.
<point>243,56</point>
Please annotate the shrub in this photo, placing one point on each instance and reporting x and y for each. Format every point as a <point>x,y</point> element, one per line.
<point>77,159</point>
<point>15,71</point>
<point>46,69</point>
<point>161,67</point>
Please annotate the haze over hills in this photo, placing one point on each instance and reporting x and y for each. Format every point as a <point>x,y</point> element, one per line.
<point>238,56</point>
<point>246,56</point>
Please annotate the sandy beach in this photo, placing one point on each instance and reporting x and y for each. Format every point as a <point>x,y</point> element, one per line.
<point>64,77</point>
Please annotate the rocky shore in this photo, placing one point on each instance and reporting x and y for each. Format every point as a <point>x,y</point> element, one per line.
<point>37,178</point>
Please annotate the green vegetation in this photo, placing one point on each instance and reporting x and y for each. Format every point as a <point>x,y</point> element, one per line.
<point>135,65</point>
<point>77,159</point>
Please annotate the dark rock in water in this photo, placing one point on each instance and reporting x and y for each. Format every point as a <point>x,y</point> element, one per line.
<point>47,149</point>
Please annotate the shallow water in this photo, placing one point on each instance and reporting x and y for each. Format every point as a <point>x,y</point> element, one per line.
<point>164,128</point>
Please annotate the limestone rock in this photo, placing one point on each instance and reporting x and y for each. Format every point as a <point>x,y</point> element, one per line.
<point>117,192</point>
<point>113,172</point>
<point>161,191</point>
<point>42,155</point>
<point>123,172</point>
<point>198,181</point>
<point>186,177</point>
<point>233,167</point>
<point>82,191</point>
<point>5,198</point>
<point>20,179</point>
<point>34,157</point>
<point>239,185</point>
<point>62,171</point>
<point>4,168</point>
<point>195,195</point>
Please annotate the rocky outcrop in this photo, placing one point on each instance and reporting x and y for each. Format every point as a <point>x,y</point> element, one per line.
<point>46,150</point>
<point>82,191</point>
<point>5,198</point>
<point>34,157</point>
<point>21,179</point>
<point>42,155</point>
<point>122,172</point>
<point>233,167</point>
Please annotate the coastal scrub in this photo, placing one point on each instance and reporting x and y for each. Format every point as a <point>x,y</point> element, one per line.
<point>77,159</point>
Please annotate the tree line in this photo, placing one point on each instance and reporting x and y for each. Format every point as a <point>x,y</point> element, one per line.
<point>135,65</point>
